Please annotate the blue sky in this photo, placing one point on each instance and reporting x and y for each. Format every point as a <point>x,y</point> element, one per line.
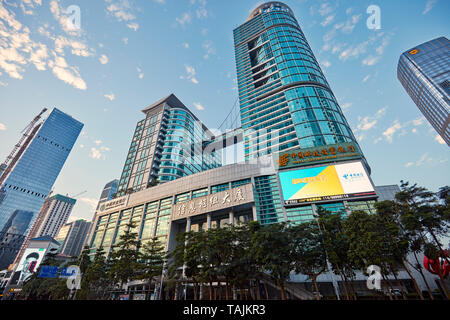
<point>129,53</point>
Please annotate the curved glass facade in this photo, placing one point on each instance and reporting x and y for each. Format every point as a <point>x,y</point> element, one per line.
<point>285,99</point>
<point>168,144</point>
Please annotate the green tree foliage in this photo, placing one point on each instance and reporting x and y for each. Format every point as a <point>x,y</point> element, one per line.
<point>124,257</point>
<point>308,251</point>
<point>153,257</point>
<point>95,281</point>
<point>337,246</point>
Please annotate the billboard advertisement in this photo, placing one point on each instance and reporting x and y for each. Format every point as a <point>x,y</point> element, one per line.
<point>30,262</point>
<point>331,182</point>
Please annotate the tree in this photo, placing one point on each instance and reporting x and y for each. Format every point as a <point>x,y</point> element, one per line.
<point>271,247</point>
<point>124,257</point>
<point>308,251</point>
<point>395,245</point>
<point>336,247</point>
<point>95,280</point>
<point>83,260</point>
<point>365,242</point>
<point>421,213</point>
<point>153,261</point>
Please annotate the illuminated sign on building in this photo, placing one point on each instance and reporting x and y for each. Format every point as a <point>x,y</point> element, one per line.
<point>413,52</point>
<point>308,156</point>
<point>333,182</point>
<point>213,202</point>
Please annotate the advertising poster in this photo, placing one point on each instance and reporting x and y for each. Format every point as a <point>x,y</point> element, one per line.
<point>30,262</point>
<point>331,182</point>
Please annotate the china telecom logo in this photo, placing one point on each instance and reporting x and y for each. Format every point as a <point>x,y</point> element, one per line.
<point>353,176</point>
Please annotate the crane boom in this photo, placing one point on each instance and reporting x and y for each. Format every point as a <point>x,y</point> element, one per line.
<point>4,169</point>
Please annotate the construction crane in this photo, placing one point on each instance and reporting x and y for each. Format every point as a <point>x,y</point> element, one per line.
<point>11,159</point>
<point>78,194</point>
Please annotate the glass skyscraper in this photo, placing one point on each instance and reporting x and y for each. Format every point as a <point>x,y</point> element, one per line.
<point>168,144</point>
<point>285,100</point>
<point>424,72</point>
<point>43,156</point>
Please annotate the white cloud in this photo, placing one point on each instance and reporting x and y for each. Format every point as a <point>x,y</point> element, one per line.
<point>123,12</point>
<point>198,106</point>
<point>141,73</point>
<point>209,48</point>
<point>190,74</point>
<point>439,139</point>
<point>18,50</point>
<point>133,25</point>
<point>95,153</point>
<point>103,59</point>
<point>78,48</point>
<point>409,164</point>
<point>325,9</point>
<point>90,201</point>
<point>2,127</point>
<point>98,142</point>
<point>369,122</point>
<point>185,45</point>
<point>59,13</point>
<point>184,19</point>
<point>327,20</point>
<point>110,96</point>
<point>70,75</point>
<point>366,78</point>
<point>428,6</point>
<point>326,63</point>
<point>389,132</point>
<point>346,106</point>
<point>418,122</point>
<point>125,40</point>
<point>370,61</point>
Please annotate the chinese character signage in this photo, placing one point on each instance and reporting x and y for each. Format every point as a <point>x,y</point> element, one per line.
<point>213,202</point>
<point>48,272</point>
<point>114,204</point>
<point>308,156</point>
<point>335,182</point>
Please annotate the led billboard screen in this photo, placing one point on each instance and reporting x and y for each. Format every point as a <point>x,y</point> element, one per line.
<point>332,182</point>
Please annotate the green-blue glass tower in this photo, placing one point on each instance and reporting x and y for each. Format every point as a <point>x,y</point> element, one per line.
<point>166,145</point>
<point>285,99</point>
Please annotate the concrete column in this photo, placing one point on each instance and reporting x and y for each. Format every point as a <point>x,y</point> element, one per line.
<point>188,224</point>
<point>255,216</point>
<point>231,218</point>
<point>208,221</point>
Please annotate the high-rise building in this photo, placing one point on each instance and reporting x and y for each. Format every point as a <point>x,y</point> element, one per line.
<point>108,192</point>
<point>166,145</point>
<point>12,235</point>
<point>285,99</point>
<point>41,159</point>
<point>53,215</point>
<point>73,236</point>
<point>424,72</point>
<point>387,192</point>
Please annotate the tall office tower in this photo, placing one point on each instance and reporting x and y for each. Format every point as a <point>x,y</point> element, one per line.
<point>73,236</point>
<point>166,145</point>
<point>424,72</point>
<point>35,170</point>
<point>12,235</point>
<point>109,190</point>
<point>53,215</point>
<point>285,100</point>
